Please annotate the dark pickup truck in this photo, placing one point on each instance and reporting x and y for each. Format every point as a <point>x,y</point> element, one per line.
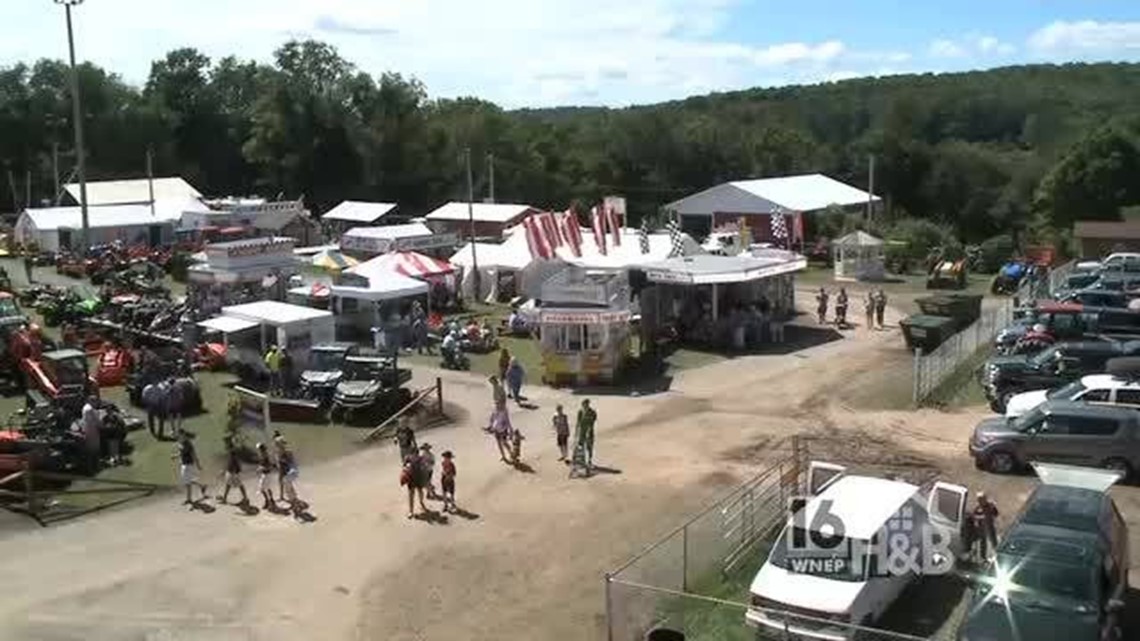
<point>1003,376</point>
<point>1068,321</point>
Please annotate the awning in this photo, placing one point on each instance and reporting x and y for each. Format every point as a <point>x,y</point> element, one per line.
<point>227,324</point>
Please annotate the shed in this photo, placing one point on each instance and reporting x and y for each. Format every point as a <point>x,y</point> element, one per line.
<point>758,199</point>
<point>1096,239</point>
<point>366,242</point>
<point>352,213</point>
<point>491,220</point>
<point>294,327</point>
<point>859,256</point>
<point>58,228</point>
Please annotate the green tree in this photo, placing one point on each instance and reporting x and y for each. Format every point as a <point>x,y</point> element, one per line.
<point>1092,181</point>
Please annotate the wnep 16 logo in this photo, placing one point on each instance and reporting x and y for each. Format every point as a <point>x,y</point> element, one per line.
<point>820,543</point>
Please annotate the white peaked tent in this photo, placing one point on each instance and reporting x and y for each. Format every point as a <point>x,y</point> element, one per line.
<point>513,255</point>
<point>859,256</point>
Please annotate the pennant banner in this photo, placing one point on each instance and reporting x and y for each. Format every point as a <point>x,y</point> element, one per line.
<point>598,225</point>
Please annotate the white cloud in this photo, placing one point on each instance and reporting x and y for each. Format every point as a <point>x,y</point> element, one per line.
<point>969,46</point>
<point>946,49</point>
<point>515,52</point>
<point>1088,36</point>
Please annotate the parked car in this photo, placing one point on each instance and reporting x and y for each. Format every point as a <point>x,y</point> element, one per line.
<point>1096,388</point>
<point>844,584</point>
<point>1061,572</point>
<point>1070,321</point>
<point>1003,377</point>
<point>1060,432</point>
<point>1095,298</point>
<point>1121,261</point>
<point>1116,281</point>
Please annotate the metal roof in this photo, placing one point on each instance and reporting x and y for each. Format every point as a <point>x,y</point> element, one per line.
<point>481,212</point>
<point>133,215</point>
<point>359,211</point>
<point>858,239</point>
<point>272,312</point>
<point>228,324</point>
<point>808,192</point>
<point>391,232</point>
<point>708,269</point>
<point>110,192</point>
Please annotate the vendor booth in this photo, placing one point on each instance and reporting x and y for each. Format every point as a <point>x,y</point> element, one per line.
<point>584,326</point>
<point>362,303</point>
<point>241,271</point>
<point>438,274</point>
<point>367,242</point>
<point>859,256</point>
<point>719,300</point>
<point>248,331</point>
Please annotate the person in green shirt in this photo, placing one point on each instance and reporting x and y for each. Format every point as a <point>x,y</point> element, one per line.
<point>584,432</point>
<point>273,363</point>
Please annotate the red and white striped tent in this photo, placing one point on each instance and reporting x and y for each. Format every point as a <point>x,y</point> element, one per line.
<point>406,263</point>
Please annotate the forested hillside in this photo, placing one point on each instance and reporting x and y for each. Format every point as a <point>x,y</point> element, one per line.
<point>981,153</point>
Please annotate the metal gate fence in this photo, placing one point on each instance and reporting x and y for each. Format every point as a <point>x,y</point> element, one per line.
<point>931,370</point>
<point>695,579</point>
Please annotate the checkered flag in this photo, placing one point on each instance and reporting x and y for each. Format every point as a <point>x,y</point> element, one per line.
<point>643,235</point>
<point>676,238</point>
<point>779,227</point>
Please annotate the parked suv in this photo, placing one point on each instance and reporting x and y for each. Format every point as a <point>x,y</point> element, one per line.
<point>1098,388</point>
<point>1002,377</point>
<point>1060,432</point>
<point>1069,321</point>
<point>1061,572</point>
<point>817,592</point>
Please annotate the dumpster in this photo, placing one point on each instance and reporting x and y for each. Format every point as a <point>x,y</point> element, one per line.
<point>963,308</point>
<point>927,332</point>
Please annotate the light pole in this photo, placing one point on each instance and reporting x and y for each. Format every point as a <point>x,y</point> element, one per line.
<point>77,116</point>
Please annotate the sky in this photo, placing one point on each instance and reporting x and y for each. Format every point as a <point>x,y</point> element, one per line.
<point>541,53</point>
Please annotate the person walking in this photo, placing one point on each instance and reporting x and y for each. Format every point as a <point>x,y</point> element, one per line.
<point>880,306</point>
<point>841,308</point>
<point>92,422</point>
<point>405,438</point>
<point>410,477</point>
<point>561,424</point>
<point>584,433</point>
<point>264,469</point>
<point>516,446</point>
<point>232,476</point>
<point>175,401</point>
<point>288,472</point>
<point>984,525</point>
<point>427,462</point>
<point>821,305</point>
<point>504,363</point>
<point>273,364</point>
<point>188,466</point>
<point>869,309</point>
<point>515,378</point>
<point>447,481</point>
<point>501,429</point>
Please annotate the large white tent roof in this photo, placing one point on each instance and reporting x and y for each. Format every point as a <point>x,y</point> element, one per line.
<point>513,252</point>
<point>383,287</point>
<point>808,192</point>
<point>274,313</point>
<point>359,211</point>
<point>132,215</point>
<point>481,212</point>
<point>390,232</point>
<point>111,192</point>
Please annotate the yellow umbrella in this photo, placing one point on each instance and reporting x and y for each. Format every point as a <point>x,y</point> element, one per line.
<point>334,261</point>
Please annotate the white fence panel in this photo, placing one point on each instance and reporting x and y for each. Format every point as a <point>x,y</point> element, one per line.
<point>930,370</point>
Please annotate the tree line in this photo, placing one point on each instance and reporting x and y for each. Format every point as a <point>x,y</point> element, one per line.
<point>1021,151</point>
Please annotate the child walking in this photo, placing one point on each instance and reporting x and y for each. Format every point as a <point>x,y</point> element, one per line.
<point>516,446</point>
<point>447,481</point>
<point>561,424</point>
<point>264,469</point>
<point>427,462</point>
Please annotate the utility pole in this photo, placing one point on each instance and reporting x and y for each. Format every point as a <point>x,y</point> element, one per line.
<point>870,186</point>
<point>150,180</point>
<point>28,189</point>
<point>55,169</point>
<point>491,175</point>
<point>12,188</point>
<point>77,116</point>
<point>471,220</point>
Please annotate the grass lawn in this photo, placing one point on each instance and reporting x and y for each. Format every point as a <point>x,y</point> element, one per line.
<point>901,293</point>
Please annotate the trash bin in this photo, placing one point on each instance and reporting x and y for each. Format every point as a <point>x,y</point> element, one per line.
<point>963,308</point>
<point>664,634</point>
<point>926,332</point>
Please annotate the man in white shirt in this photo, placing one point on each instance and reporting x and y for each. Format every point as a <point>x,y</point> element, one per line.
<point>92,422</point>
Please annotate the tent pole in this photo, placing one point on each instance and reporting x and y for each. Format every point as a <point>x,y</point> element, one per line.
<point>715,303</point>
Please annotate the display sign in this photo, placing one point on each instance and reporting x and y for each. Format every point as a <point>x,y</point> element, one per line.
<point>666,276</point>
<point>375,245</point>
<point>580,293</point>
<point>584,317</point>
<point>616,203</point>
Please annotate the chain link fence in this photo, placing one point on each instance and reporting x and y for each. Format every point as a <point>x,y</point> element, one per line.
<point>931,370</point>
<point>693,584</point>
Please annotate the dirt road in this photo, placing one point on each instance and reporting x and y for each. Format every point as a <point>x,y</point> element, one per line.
<point>526,564</point>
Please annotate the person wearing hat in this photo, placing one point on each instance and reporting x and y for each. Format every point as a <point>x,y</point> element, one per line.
<point>447,481</point>
<point>232,473</point>
<point>287,474</point>
<point>264,467</point>
<point>427,468</point>
<point>188,466</point>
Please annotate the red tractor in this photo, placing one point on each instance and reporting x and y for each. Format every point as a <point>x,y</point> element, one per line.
<point>60,375</point>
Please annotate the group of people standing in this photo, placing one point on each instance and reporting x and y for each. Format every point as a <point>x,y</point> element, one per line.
<point>874,307</point>
<point>418,472</point>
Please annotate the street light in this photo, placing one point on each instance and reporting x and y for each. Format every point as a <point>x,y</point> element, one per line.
<point>77,116</point>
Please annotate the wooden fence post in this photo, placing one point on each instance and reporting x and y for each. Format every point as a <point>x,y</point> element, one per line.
<point>439,395</point>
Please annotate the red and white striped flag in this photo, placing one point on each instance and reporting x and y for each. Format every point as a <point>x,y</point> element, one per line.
<point>597,222</point>
<point>572,232</point>
<point>550,226</point>
<point>536,238</point>
<point>612,223</point>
